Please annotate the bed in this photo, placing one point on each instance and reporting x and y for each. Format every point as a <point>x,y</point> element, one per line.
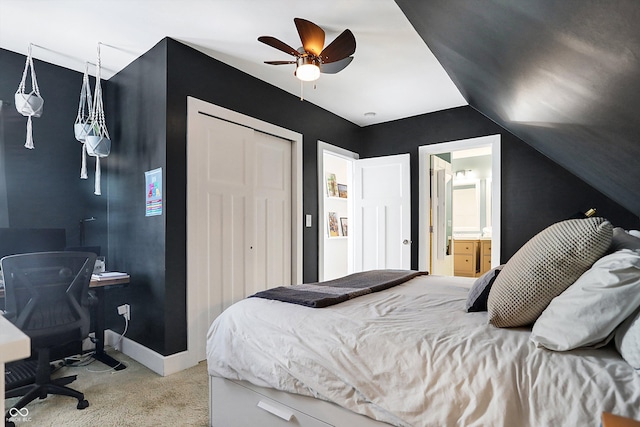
<point>410,355</point>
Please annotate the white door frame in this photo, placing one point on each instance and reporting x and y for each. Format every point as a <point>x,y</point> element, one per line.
<point>424,152</point>
<point>349,156</point>
<point>194,305</point>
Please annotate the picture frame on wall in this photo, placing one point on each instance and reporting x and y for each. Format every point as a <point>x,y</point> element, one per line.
<point>342,191</point>
<point>332,185</point>
<point>344,226</point>
<point>333,224</point>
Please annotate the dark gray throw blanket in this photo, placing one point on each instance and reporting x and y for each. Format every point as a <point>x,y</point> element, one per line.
<point>324,294</point>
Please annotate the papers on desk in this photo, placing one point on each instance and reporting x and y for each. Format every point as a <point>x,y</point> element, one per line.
<point>109,275</point>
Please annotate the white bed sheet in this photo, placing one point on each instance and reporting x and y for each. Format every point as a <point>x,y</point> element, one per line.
<point>411,356</point>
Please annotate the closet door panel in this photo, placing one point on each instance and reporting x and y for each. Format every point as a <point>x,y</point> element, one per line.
<point>273,210</point>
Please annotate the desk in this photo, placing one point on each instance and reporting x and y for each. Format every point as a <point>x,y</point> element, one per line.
<point>14,345</point>
<point>99,287</point>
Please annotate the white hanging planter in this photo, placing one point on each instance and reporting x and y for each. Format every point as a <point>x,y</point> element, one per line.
<point>82,126</point>
<point>98,142</point>
<point>81,130</point>
<point>98,146</point>
<point>29,104</point>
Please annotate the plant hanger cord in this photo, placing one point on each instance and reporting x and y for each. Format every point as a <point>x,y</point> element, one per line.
<point>98,142</point>
<point>29,104</point>
<point>82,125</point>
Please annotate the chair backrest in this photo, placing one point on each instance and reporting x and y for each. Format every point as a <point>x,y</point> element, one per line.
<point>46,294</point>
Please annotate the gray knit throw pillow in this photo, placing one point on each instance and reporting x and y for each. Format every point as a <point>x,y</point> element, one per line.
<point>544,267</point>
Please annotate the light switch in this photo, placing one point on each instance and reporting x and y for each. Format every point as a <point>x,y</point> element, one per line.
<point>308,220</point>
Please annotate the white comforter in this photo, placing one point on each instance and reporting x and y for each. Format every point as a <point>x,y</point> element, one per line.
<point>411,356</point>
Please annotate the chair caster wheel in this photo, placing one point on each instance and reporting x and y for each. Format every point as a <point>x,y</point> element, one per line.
<point>82,404</point>
<point>9,424</point>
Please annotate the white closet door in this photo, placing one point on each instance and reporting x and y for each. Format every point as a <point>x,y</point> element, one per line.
<point>382,213</point>
<point>270,250</point>
<point>243,199</point>
<point>228,180</point>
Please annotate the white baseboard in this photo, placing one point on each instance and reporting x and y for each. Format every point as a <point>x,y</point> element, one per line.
<point>162,365</point>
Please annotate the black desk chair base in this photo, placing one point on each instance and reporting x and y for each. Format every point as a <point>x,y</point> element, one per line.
<point>43,387</point>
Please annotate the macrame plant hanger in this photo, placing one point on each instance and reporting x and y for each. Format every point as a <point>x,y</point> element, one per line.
<point>82,125</point>
<point>29,104</point>
<point>98,142</point>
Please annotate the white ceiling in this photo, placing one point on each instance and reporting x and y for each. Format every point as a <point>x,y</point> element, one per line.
<point>394,74</point>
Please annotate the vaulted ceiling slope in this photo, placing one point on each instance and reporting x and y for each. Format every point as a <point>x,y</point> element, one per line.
<point>564,76</point>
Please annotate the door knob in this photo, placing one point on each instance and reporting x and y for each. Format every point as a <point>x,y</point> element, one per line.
<point>406,242</point>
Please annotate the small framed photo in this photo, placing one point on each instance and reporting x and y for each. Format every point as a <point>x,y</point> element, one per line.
<point>344,226</point>
<point>333,224</point>
<point>332,185</point>
<point>342,191</point>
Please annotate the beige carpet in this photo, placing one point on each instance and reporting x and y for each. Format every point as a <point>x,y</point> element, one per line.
<point>135,396</point>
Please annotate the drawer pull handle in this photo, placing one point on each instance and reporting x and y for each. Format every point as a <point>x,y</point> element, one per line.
<point>278,412</point>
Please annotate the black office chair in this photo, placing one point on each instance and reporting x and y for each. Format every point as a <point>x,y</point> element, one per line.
<point>46,296</point>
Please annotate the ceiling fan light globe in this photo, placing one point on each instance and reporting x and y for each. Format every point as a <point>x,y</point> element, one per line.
<point>308,69</point>
<point>308,72</point>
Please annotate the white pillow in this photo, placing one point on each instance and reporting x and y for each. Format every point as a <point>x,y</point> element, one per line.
<point>622,239</point>
<point>590,309</point>
<point>627,339</point>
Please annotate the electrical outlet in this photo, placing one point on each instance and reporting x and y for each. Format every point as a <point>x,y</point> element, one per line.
<point>125,310</point>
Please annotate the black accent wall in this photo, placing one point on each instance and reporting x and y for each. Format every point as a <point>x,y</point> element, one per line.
<point>536,192</point>
<point>150,99</point>
<point>44,189</point>
<point>146,115</point>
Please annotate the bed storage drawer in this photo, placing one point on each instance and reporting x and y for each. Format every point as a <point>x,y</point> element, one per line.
<point>235,405</point>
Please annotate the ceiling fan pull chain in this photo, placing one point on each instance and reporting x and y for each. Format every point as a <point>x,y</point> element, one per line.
<point>301,90</point>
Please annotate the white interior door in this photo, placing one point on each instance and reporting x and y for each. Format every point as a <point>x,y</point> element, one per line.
<point>382,213</point>
<point>441,214</point>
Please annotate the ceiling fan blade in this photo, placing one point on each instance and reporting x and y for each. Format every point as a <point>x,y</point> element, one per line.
<point>334,67</point>
<point>311,35</point>
<point>280,45</point>
<point>343,46</point>
<point>279,62</point>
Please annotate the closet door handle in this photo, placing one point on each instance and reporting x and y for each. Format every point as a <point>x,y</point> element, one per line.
<point>406,242</point>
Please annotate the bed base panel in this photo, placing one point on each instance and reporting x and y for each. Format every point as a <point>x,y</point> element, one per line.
<point>235,403</point>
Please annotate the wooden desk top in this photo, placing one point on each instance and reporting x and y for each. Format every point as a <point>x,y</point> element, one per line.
<point>96,283</point>
<point>107,282</point>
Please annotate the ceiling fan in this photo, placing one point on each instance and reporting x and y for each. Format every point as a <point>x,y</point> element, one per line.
<point>313,58</point>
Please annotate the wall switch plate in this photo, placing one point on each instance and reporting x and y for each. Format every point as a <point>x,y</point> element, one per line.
<point>308,220</point>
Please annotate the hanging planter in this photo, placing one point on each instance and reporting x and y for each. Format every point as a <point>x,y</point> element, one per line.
<point>82,126</point>
<point>97,140</point>
<point>29,104</point>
